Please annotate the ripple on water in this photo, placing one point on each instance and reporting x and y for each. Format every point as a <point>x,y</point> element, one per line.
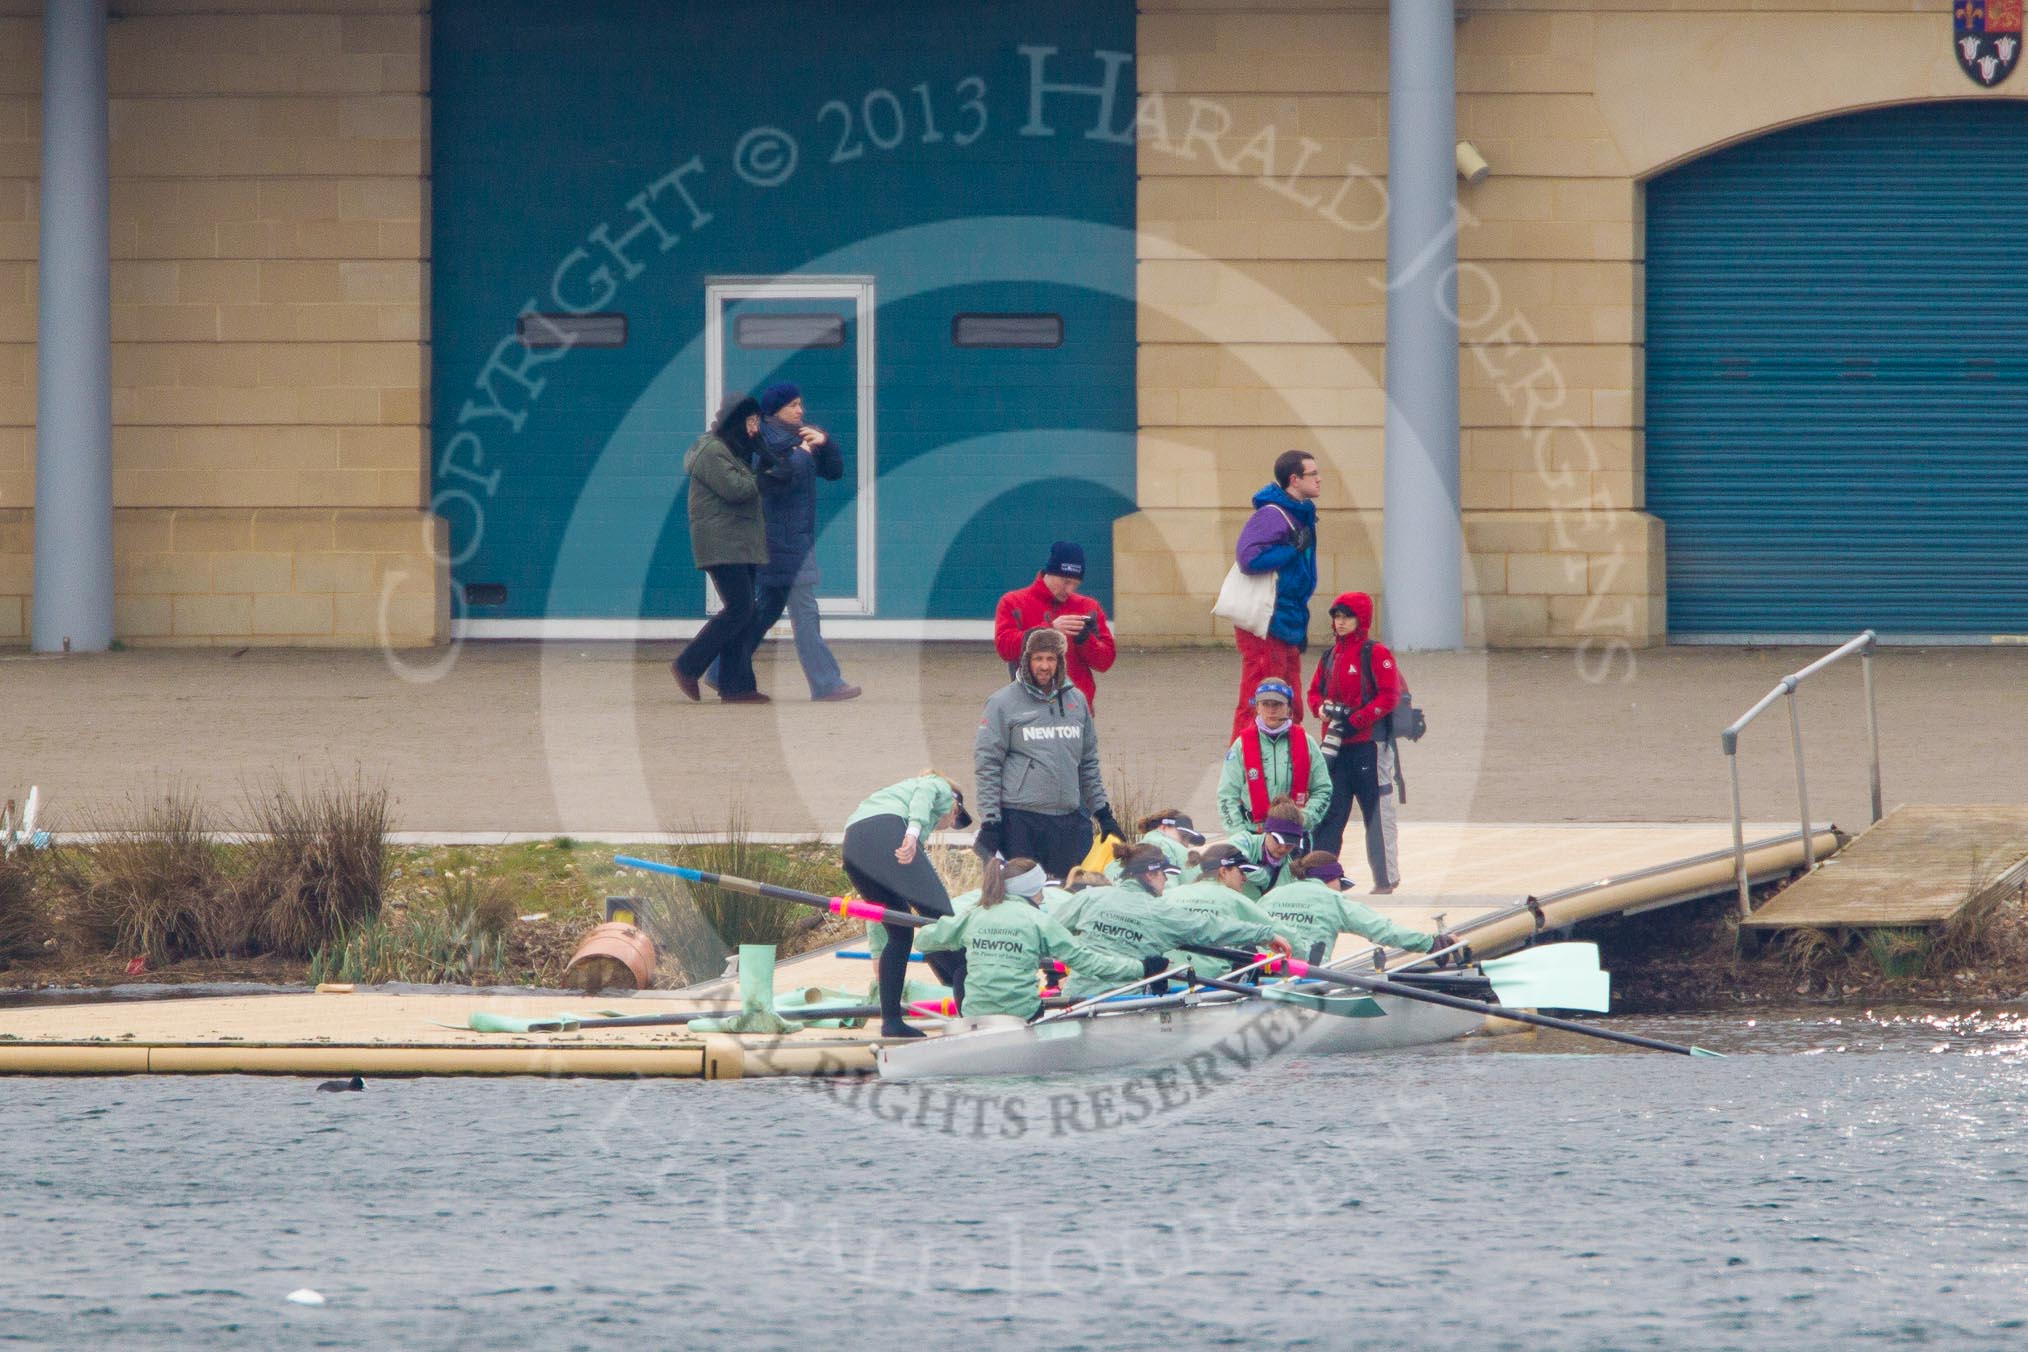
<point>1584,1200</point>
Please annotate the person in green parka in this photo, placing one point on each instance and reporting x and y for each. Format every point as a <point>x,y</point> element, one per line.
<point>1173,833</point>
<point>1131,920</point>
<point>729,542</point>
<point>1219,895</point>
<point>1272,849</point>
<point>883,857</point>
<point>1006,938</point>
<point>1313,909</point>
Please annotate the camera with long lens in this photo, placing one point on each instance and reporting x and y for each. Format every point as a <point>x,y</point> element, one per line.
<point>1335,716</point>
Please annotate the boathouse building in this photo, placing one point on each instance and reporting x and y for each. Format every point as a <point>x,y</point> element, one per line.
<point>341,322</point>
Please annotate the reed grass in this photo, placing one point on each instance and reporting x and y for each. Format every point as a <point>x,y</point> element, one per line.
<point>422,947</point>
<point>156,882</point>
<point>23,918</point>
<point>315,863</point>
<point>697,927</point>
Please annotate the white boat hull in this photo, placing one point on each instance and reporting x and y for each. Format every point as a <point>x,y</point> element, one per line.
<point>1234,1035</point>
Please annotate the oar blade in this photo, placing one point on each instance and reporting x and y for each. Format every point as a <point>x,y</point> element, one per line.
<point>1342,1006</point>
<point>1570,958</point>
<point>1579,990</point>
<point>1701,1051</point>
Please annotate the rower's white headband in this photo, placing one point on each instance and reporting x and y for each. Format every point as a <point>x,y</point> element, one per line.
<point>1028,884</point>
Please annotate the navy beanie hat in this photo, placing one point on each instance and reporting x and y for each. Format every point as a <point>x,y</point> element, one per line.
<point>775,398</point>
<point>1065,558</point>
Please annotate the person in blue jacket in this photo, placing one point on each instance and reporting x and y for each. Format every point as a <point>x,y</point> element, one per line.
<point>1280,538</point>
<point>788,580</point>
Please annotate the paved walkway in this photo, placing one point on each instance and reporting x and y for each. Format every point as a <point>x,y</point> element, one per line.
<point>588,738</point>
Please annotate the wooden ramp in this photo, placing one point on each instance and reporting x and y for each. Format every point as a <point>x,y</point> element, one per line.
<point>1916,866</point>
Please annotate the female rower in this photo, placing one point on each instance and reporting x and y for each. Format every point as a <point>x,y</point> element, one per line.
<point>1274,847</point>
<point>1130,919</point>
<point>1173,833</point>
<point>1313,909</point>
<point>1005,944</point>
<point>1220,895</point>
<point>884,859</point>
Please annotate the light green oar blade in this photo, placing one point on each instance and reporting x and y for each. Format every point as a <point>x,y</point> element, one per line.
<point>1552,976</point>
<point>1344,1007</point>
<point>484,1021</point>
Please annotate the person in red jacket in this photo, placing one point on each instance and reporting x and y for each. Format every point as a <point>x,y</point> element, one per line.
<point>1052,601</point>
<point>1357,685</point>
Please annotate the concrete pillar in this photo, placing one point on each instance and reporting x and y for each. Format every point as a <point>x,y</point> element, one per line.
<point>1423,566</point>
<point>73,380</point>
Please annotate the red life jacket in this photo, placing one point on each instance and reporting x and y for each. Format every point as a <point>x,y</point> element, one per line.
<point>1256,772</point>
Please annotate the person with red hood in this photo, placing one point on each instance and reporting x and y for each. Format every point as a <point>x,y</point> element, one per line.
<point>1356,686</point>
<point>1052,602</point>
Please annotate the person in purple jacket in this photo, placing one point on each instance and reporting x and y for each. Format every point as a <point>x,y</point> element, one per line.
<point>1280,538</point>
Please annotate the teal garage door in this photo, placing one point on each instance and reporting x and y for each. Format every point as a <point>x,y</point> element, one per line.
<point>1837,398</point>
<point>636,204</point>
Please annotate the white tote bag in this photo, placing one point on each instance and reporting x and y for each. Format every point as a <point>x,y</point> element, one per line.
<point>1248,599</point>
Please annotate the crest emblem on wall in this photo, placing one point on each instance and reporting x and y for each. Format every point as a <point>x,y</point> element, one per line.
<point>1986,35</point>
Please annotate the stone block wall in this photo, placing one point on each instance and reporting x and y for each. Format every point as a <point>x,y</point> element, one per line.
<point>1263,264</point>
<point>270,238</point>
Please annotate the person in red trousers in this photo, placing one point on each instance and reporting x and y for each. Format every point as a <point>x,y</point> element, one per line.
<point>1280,538</point>
<point>1051,601</point>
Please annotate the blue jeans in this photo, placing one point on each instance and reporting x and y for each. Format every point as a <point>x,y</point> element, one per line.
<point>799,599</point>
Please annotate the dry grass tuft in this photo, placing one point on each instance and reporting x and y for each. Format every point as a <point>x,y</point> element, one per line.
<point>316,863</point>
<point>23,921</point>
<point>155,883</point>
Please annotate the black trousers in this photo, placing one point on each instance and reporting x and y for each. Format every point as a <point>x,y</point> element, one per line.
<point>1355,777</point>
<point>728,637</point>
<point>876,875</point>
<point>1057,841</point>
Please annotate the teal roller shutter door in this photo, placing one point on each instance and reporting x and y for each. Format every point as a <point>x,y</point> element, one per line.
<point>1837,399</point>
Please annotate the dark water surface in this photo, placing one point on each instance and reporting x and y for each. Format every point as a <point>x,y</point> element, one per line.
<point>1855,1182</point>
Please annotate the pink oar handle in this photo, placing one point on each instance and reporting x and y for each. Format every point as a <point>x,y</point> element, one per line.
<point>858,908</point>
<point>945,1007</point>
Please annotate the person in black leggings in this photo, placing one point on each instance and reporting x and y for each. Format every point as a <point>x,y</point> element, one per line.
<point>883,857</point>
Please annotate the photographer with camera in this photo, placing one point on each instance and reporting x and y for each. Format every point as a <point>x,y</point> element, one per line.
<point>1353,694</point>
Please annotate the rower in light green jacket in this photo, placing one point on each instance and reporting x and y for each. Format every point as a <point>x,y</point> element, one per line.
<point>1220,895</point>
<point>1130,919</point>
<point>922,805</point>
<point>1006,939</point>
<point>1273,849</point>
<point>1173,833</point>
<point>1313,909</point>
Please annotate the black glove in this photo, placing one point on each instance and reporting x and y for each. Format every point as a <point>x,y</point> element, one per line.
<point>987,842</point>
<point>1108,823</point>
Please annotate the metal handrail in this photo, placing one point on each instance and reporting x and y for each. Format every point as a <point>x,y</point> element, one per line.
<point>1863,645</point>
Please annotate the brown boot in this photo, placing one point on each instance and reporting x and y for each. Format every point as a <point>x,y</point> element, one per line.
<point>749,697</point>
<point>687,684</point>
<point>842,692</point>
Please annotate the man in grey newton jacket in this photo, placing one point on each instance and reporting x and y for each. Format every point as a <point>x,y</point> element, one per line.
<point>1037,767</point>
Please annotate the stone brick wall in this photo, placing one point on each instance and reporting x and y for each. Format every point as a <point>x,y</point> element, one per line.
<point>270,281</point>
<point>1263,259</point>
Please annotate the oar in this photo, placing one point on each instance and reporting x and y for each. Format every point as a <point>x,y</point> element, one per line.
<point>502,1023</point>
<point>855,907</point>
<point>1381,986</point>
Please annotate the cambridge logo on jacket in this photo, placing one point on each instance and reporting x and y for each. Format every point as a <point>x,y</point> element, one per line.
<point>1986,35</point>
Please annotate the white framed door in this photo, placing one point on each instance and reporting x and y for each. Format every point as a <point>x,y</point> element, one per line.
<point>817,333</point>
